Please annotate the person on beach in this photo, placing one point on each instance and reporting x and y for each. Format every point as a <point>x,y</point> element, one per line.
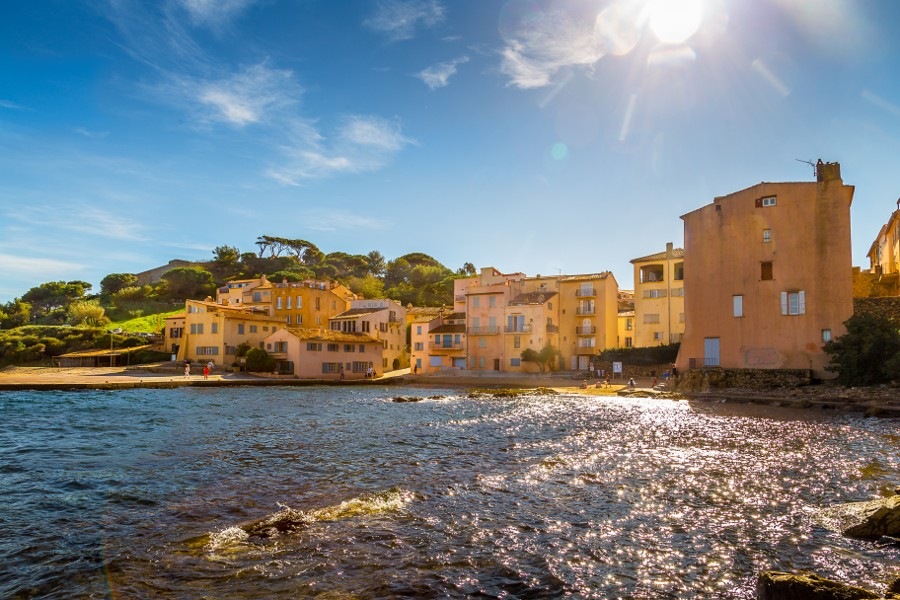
<point>187,369</point>
<point>631,383</point>
<point>205,371</point>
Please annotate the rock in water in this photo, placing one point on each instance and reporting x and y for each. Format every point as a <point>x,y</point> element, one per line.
<point>867,520</point>
<point>776,585</point>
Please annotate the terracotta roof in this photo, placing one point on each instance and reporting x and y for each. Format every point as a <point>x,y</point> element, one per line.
<point>585,276</point>
<point>456,316</point>
<point>357,312</point>
<point>532,298</point>
<point>676,253</point>
<point>331,335</point>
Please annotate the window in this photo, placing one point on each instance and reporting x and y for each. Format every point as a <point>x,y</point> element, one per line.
<point>766,271</point>
<point>657,336</point>
<point>515,362</point>
<point>628,342</point>
<point>654,293</point>
<point>278,303</point>
<point>517,341</point>
<point>317,304</point>
<point>492,301</point>
<point>418,329</point>
<point>207,350</point>
<point>215,327</point>
<point>482,342</point>
<point>652,273</point>
<point>367,325</point>
<point>314,346</point>
<point>767,236</point>
<point>193,328</point>
<point>737,303</point>
<point>240,329</point>
<point>288,319</point>
<point>331,367</point>
<point>651,318</point>
<point>253,329</point>
<point>281,347</point>
<point>349,347</point>
<point>679,272</point>
<point>362,347</point>
<point>257,297</point>
<point>288,302</point>
<point>770,201</point>
<point>199,327</point>
<point>419,346</point>
<point>299,302</point>
<point>333,347</point>
<point>793,303</point>
<point>628,325</point>
<point>826,335</point>
<point>475,302</point>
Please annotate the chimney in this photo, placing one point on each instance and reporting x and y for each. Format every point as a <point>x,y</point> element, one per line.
<point>828,171</point>
<point>669,247</point>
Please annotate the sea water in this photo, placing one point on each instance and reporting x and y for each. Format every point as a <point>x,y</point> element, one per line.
<point>334,492</point>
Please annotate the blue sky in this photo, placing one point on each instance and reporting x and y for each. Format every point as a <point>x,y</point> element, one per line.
<point>535,136</point>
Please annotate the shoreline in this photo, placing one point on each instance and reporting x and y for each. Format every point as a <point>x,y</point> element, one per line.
<point>882,401</point>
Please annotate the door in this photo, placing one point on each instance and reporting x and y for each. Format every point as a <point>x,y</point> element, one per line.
<point>710,352</point>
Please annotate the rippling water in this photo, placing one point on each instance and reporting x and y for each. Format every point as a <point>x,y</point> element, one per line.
<point>342,493</point>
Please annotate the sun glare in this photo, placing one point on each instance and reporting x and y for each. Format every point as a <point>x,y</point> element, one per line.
<point>674,21</point>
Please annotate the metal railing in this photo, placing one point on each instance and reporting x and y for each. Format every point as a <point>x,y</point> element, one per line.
<point>517,329</point>
<point>585,330</point>
<point>585,292</point>
<point>489,330</point>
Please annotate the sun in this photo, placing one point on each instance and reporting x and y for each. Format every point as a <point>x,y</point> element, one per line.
<point>674,21</point>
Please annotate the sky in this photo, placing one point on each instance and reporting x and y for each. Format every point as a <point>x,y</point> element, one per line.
<point>541,137</point>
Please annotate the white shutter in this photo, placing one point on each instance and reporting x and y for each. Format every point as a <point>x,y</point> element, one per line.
<point>802,310</point>
<point>784,303</point>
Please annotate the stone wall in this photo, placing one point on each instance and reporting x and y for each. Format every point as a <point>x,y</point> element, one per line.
<point>703,380</point>
<point>888,307</point>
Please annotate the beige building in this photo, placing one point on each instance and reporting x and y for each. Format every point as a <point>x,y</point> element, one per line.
<point>323,354</point>
<point>883,276</point>
<point>437,340</point>
<point>659,298</point>
<point>486,296</point>
<point>382,319</point>
<point>246,292</point>
<point>769,275</point>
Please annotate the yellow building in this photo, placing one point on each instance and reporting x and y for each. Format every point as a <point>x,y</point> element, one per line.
<point>246,292</point>
<point>532,322</point>
<point>309,303</point>
<point>625,336</point>
<point>588,317</point>
<point>769,275</point>
<point>659,298</point>
<point>212,331</point>
<point>323,354</point>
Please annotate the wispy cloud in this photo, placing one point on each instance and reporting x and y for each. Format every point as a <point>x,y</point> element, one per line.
<point>80,218</point>
<point>10,105</point>
<point>335,220</point>
<point>91,134</point>
<point>438,76</point>
<point>360,144</point>
<point>214,13</point>
<point>400,19</point>
<point>537,49</point>
<point>256,94</point>
<point>12,264</point>
<point>881,102</point>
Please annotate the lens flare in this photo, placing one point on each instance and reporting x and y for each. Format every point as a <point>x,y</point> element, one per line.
<point>674,21</point>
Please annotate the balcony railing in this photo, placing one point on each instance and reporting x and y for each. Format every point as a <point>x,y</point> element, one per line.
<point>443,346</point>
<point>585,292</point>
<point>490,330</point>
<point>585,330</point>
<point>584,310</point>
<point>552,328</point>
<point>517,329</point>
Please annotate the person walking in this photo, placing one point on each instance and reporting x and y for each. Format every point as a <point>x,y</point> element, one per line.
<point>205,371</point>
<point>187,369</point>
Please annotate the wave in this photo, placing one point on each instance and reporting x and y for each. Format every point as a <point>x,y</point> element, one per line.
<point>289,520</point>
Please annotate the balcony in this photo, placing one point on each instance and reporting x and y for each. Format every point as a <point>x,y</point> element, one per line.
<point>443,346</point>
<point>490,330</point>
<point>586,330</point>
<point>552,328</point>
<point>585,310</point>
<point>518,329</point>
<point>586,292</point>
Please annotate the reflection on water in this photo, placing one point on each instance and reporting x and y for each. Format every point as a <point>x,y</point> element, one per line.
<point>260,493</point>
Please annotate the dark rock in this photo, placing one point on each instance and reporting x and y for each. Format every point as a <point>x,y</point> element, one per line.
<point>407,399</point>
<point>866,520</point>
<point>777,585</point>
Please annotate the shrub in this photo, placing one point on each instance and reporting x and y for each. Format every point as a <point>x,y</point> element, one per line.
<point>869,353</point>
<point>259,361</point>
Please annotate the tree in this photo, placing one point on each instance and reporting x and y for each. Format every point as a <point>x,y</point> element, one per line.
<point>87,312</point>
<point>259,361</point>
<point>868,354</point>
<point>466,270</point>
<point>544,358</point>
<point>226,255</point>
<point>367,287</point>
<point>49,300</point>
<point>115,282</point>
<point>188,282</point>
<point>376,263</point>
<point>15,314</point>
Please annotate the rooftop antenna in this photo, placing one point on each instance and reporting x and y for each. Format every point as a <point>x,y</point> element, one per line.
<point>810,163</point>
